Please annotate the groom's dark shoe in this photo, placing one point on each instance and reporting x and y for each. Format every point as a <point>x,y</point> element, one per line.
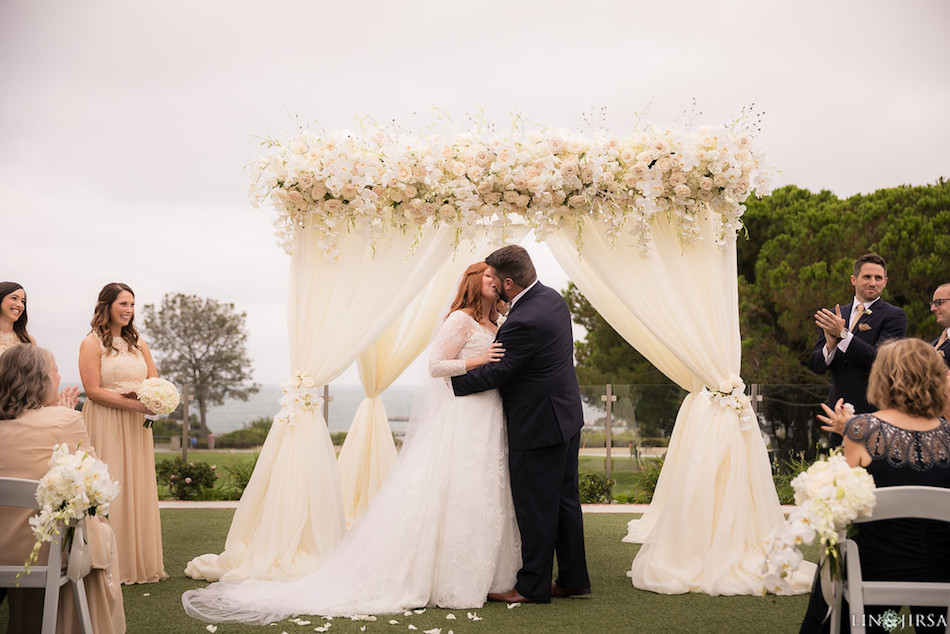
<point>559,593</point>
<point>512,596</point>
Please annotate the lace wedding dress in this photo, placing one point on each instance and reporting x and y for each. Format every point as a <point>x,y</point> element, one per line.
<point>441,531</point>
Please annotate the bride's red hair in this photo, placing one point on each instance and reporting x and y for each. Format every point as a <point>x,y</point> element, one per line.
<point>469,295</point>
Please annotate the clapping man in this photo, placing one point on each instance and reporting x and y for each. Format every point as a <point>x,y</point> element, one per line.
<point>850,334</point>
<point>940,307</point>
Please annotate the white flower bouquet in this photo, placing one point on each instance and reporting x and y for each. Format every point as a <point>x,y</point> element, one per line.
<point>159,396</point>
<point>75,486</point>
<point>829,495</point>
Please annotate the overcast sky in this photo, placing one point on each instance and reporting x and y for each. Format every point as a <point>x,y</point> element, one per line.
<point>125,126</point>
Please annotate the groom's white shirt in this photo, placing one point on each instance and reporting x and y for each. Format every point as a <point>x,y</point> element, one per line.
<point>518,296</point>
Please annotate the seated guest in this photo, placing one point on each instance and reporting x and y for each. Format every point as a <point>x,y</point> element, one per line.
<point>904,442</point>
<point>30,424</point>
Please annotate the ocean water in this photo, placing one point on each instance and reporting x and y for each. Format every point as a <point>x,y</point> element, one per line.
<point>234,414</point>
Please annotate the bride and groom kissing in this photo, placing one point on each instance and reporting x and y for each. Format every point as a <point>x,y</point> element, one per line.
<point>484,494</point>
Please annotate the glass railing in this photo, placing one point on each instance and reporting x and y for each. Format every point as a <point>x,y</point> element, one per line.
<point>639,415</point>
<point>644,415</point>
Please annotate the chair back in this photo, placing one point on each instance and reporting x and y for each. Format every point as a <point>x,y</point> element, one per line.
<point>21,493</point>
<point>921,502</point>
<point>932,503</point>
<point>18,492</point>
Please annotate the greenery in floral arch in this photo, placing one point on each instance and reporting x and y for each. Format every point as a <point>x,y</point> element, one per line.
<point>375,182</point>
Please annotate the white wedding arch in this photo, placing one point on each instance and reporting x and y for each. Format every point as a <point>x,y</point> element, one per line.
<point>379,227</point>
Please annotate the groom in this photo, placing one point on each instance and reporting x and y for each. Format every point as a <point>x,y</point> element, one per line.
<point>542,403</point>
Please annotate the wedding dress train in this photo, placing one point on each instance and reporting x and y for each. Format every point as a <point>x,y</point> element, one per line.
<point>441,531</point>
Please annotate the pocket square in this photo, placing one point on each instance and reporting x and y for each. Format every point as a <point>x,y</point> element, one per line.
<point>863,327</point>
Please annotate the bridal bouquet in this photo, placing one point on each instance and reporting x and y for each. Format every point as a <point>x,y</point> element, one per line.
<point>159,396</point>
<point>829,496</point>
<point>75,486</point>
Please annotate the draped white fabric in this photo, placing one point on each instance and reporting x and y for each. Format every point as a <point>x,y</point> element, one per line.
<point>291,514</point>
<point>715,502</point>
<point>368,451</point>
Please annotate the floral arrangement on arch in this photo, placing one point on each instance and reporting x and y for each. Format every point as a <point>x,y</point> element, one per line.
<point>375,182</point>
<point>829,495</point>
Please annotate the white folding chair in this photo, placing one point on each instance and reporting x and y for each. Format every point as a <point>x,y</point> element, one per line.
<point>892,502</point>
<point>21,493</point>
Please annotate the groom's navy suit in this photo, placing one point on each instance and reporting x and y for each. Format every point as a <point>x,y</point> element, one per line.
<point>538,386</point>
<point>850,370</point>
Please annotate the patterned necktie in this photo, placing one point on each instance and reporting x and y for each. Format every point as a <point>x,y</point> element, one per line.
<point>941,340</point>
<point>856,315</point>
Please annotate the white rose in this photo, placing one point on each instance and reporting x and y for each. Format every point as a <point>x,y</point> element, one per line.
<point>577,201</point>
<point>569,169</point>
<point>349,191</point>
<point>682,191</point>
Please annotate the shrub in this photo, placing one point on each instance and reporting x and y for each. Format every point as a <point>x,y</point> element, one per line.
<point>783,472</point>
<point>654,442</point>
<point>239,474</point>
<point>250,435</point>
<point>644,481</point>
<point>595,488</point>
<point>186,481</point>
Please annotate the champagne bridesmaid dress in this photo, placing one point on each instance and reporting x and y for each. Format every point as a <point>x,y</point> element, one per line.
<point>126,446</point>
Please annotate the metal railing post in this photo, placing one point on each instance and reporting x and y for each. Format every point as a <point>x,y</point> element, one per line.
<point>609,398</point>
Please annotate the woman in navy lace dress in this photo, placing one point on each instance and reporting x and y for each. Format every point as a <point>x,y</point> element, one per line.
<point>904,442</point>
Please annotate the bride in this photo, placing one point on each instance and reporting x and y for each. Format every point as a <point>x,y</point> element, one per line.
<point>441,531</point>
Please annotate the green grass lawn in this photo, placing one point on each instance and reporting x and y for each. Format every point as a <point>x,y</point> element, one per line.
<point>614,606</point>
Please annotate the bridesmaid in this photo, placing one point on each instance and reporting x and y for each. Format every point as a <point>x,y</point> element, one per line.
<point>13,316</point>
<point>113,361</point>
